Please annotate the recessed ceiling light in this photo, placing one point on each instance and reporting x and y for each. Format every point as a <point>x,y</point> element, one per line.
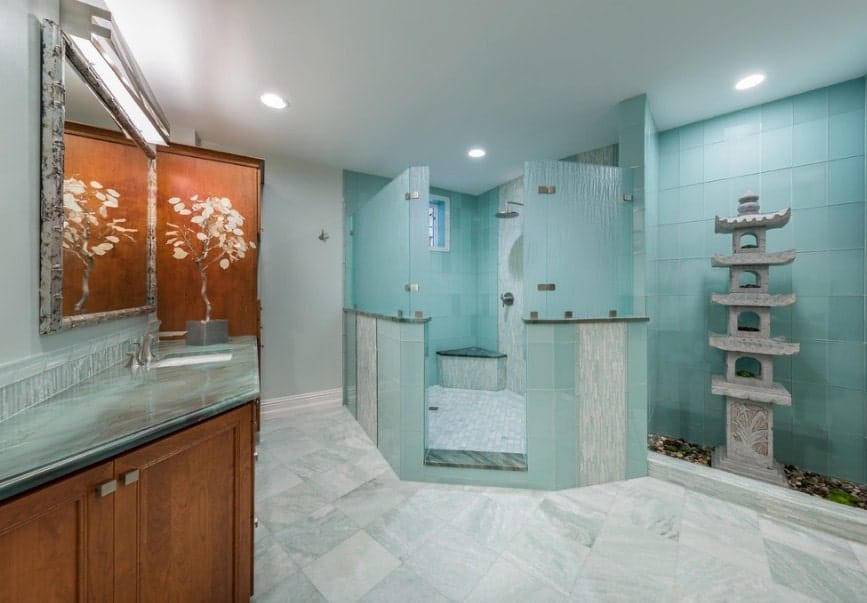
<point>275,101</point>
<point>476,153</point>
<point>751,81</point>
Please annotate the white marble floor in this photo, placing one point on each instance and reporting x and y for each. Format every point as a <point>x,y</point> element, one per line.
<point>472,419</point>
<point>337,525</point>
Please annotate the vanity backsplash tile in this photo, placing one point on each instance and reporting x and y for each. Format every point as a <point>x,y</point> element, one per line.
<point>25,383</point>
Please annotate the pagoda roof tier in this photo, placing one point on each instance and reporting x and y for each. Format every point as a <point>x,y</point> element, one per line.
<point>753,299</point>
<point>775,219</point>
<point>773,394</point>
<point>754,345</point>
<point>778,258</point>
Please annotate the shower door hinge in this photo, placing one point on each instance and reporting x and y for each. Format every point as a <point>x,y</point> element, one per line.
<point>411,287</point>
<point>412,195</point>
<point>546,287</point>
<point>547,190</point>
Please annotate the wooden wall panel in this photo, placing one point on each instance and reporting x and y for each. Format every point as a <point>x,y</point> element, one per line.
<point>184,172</point>
<point>119,278</point>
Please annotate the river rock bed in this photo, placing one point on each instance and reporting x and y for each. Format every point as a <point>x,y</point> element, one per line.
<point>831,488</point>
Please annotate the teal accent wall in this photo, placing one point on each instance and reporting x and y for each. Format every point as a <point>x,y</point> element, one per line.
<point>807,152</point>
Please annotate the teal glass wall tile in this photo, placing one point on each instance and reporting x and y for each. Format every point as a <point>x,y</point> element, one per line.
<point>744,155</point>
<point>851,450</point>
<point>846,180</point>
<point>691,136</point>
<point>777,149</point>
<point>777,114</point>
<point>810,273</point>
<point>810,185</point>
<point>669,171</point>
<point>846,364</point>
<point>847,96</point>
<point>811,364</point>
<point>810,105</point>
<point>776,191</point>
<point>847,411</point>
<point>691,203</point>
<point>846,226</point>
<point>540,366</point>
<point>810,228</point>
<point>846,318</point>
<point>810,141</point>
<point>716,161</point>
<point>669,143</point>
<point>846,134</point>
<point>540,414</point>
<point>846,272</point>
<point>691,166</point>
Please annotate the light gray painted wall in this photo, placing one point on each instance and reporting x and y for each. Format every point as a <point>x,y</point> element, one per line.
<point>20,70</point>
<point>301,278</point>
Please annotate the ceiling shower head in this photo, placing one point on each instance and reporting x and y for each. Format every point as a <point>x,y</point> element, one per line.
<point>508,213</point>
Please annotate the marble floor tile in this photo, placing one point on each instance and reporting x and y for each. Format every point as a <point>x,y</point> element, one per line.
<point>289,506</point>
<point>272,566</point>
<point>445,503</point>
<point>700,579</point>
<point>636,549</point>
<point>812,542</point>
<point>403,529</point>
<point>404,585</point>
<point>315,462</point>
<point>339,530</point>
<point>545,550</point>
<point>494,519</point>
<point>605,579</point>
<point>351,569</point>
<point>452,562</point>
<point>370,500</point>
<point>565,515</point>
<point>505,582</point>
<point>274,478</point>
<point>297,588</point>
<point>316,534</point>
<point>815,576</point>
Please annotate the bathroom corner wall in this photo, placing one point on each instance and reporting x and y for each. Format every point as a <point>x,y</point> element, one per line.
<point>510,277</point>
<point>804,152</point>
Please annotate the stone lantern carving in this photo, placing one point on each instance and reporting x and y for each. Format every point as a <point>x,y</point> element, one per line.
<point>748,384</point>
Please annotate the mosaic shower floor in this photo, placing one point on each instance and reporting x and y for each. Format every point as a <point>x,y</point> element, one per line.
<point>471,419</point>
<point>337,525</point>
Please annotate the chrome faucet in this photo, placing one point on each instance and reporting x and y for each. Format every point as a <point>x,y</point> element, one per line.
<point>145,353</point>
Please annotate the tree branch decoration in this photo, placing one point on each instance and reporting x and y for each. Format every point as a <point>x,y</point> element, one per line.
<point>87,230</point>
<point>213,235</point>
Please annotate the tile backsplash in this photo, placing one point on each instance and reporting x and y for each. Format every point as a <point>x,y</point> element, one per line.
<point>27,382</point>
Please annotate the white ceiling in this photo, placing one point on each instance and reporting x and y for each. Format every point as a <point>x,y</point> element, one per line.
<point>377,85</point>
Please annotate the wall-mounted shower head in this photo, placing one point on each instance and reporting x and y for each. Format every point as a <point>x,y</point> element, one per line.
<point>508,213</point>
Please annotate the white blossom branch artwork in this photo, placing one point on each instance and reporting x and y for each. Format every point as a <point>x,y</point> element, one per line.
<point>212,235</point>
<point>88,232</point>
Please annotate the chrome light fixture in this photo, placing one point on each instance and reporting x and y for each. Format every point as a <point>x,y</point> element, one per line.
<point>97,50</point>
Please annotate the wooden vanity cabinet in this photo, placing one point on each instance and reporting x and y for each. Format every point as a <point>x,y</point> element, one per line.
<point>177,527</point>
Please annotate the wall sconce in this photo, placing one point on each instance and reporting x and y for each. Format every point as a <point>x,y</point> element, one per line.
<point>98,51</point>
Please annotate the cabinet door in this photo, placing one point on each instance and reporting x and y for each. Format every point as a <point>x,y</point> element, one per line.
<point>56,544</point>
<point>185,172</point>
<point>184,520</point>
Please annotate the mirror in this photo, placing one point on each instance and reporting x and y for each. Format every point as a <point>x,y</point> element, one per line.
<point>98,200</point>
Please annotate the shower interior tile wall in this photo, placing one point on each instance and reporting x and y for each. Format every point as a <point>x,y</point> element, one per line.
<point>510,276</point>
<point>806,152</point>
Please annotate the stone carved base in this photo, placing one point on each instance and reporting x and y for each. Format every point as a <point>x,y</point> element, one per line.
<point>748,467</point>
<point>749,448</point>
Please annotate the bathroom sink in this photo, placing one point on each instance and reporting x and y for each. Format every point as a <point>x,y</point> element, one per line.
<point>187,358</point>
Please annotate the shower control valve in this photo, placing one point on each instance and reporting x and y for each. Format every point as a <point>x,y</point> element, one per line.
<point>507,298</point>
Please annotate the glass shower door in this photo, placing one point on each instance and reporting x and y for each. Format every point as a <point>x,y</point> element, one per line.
<point>577,240</point>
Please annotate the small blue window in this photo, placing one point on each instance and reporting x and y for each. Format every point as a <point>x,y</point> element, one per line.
<point>438,223</point>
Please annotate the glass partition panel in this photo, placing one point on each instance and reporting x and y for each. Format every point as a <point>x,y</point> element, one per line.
<point>379,252</point>
<point>576,240</point>
<point>419,241</point>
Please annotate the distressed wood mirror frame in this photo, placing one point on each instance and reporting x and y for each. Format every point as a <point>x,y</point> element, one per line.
<point>51,318</point>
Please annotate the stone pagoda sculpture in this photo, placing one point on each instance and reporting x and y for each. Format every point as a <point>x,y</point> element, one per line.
<point>748,384</point>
